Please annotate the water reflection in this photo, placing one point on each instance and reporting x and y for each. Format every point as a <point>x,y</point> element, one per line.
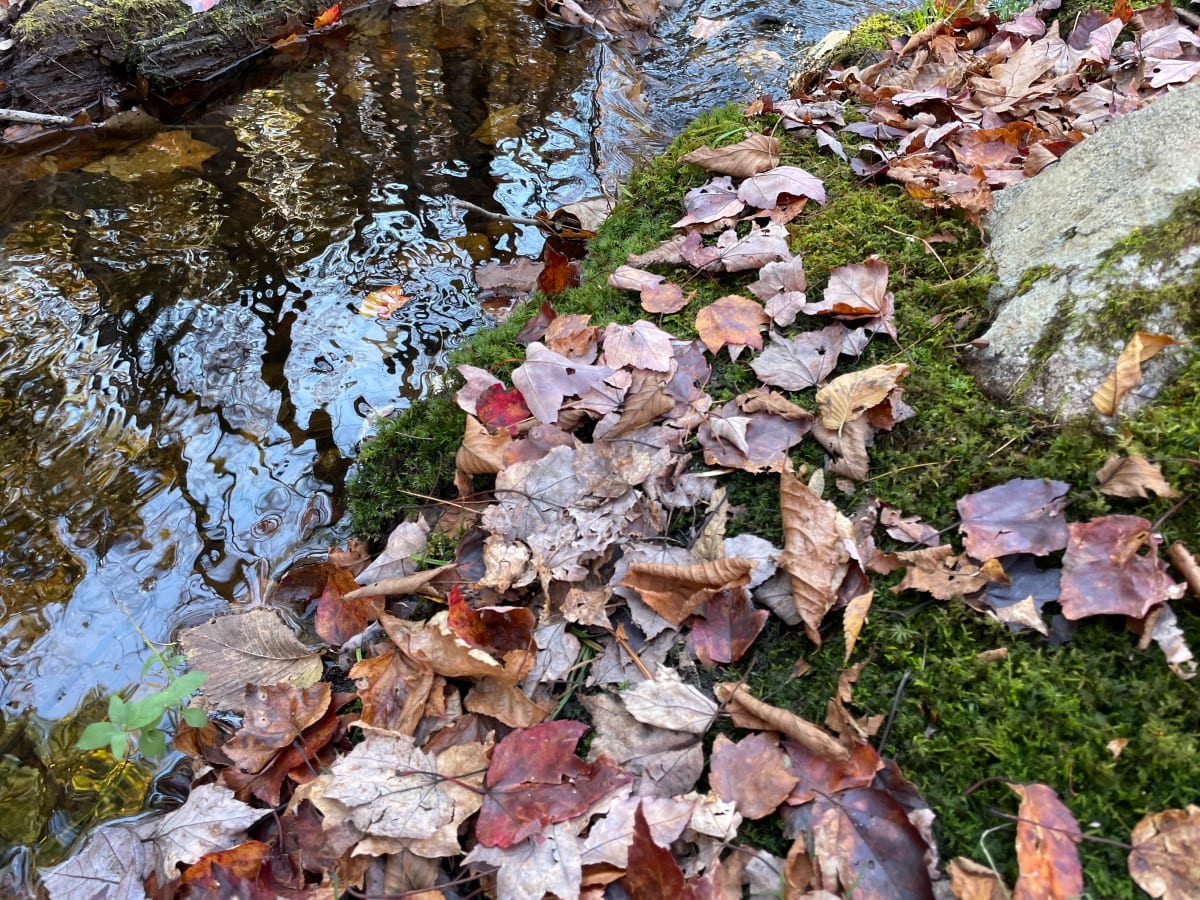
<point>184,372</point>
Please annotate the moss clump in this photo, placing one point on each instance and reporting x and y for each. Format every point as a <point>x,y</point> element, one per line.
<point>1043,713</point>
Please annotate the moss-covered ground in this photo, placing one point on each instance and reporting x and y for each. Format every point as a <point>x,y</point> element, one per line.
<point>962,726</point>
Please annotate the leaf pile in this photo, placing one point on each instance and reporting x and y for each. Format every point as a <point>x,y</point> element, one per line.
<point>970,104</point>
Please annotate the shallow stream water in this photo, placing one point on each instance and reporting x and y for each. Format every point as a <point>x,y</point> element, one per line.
<point>185,371</point>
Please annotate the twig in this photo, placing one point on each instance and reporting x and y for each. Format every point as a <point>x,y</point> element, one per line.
<point>887,726</point>
<point>1183,560</point>
<point>623,642</point>
<point>455,203</point>
<point>31,118</point>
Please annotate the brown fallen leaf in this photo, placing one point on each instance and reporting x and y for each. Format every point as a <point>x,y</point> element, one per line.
<point>813,552</point>
<point>755,154</point>
<point>1047,846</point>
<point>753,773</point>
<point>855,616</point>
<point>1127,373</point>
<point>971,881</point>
<point>1166,846</point>
<point>1132,476</point>
<point>1104,572</point>
<point>732,320</point>
<point>850,396</point>
<point>747,711</point>
<point>275,715</point>
<point>677,591</point>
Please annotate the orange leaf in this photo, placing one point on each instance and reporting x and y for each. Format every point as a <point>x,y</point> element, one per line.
<point>677,591</point>
<point>737,321</point>
<point>1047,846</point>
<point>1127,373</point>
<point>383,302</point>
<point>328,17</point>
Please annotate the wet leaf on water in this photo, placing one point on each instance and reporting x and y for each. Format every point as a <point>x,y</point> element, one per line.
<point>159,155</point>
<point>382,303</point>
<point>328,16</point>
<point>251,647</point>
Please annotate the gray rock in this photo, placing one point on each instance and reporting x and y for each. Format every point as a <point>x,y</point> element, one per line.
<point>1052,239</point>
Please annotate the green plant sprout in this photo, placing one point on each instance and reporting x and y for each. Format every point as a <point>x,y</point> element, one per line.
<point>137,723</point>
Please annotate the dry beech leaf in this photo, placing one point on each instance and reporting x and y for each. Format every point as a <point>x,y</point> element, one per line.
<point>1047,846</point>
<point>812,555</point>
<point>855,616</point>
<point>1132,476</point>
<point>850,396</point>
<point>1166,846</point>
<point>755,154</point>
<point>677,591</point>
<point>1127,373</point>
<point>747,711</point>
<point>971,881</point>
<point>252,647</point>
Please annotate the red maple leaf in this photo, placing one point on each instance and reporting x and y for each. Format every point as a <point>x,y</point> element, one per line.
<point>499,408</point>
<point>536,779</point>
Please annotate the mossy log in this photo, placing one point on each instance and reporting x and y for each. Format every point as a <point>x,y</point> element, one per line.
<point>103,55</point>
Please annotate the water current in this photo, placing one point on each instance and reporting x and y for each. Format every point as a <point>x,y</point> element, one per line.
<point>185,371</point>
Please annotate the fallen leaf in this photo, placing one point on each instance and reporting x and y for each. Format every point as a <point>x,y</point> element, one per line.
<point>667,702</point>
<point>275,715</point>
<point>799,362</point>
<point>382,303</point>
<point>497,629</point>
<point>158,155</point>
<point>547,864</point>
<point>1104,572</point>
<point>1023,515</point>
<point>658,295</point>
<point>210,819</point>
<point>712,202</point>
<point>328,16</point>
<point>652,871</point>
<point>498,408</point>
<point>1127,373</point>
<point>756,153</point>
<point>1132,476</point>
<point>855,616</point>
<point>971,881</point>
<point>751,773</point>
<point>535,779</point>
<point>819,775</point>
<point>111,864</point>
<point>850,396</point>
<point>733,320</point>
<point>812,555</point>
<point>863,842</point>
<point>1047,846</point>
<point>764,190</point>
<point>726,627</point>
<point>939,571</point>
<point>546,378</point>
<point>676,591</point>
<point>251,647</point>
<point>641,345</point>
<point>1165,848</point>
<point>748,711</point>
<point>664,762</point>
<point>857,290</point>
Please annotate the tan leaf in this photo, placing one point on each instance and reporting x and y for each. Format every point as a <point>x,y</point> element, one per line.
<point>1047,846</point>
<point>1132,476</point>
<point>755,154</point>
<point>733,320</point>
<point>971,881</point>
<point>747,711</point>
<point>849,396</point>
<point>765,400</point>
<point>813,555</point>
<point>838,716</point>
<point>646,401</point>
<point>1166,846</point>
<point>940,572</point>
<point>751,773</point>
<point>677,591</point>
<point>252,647</point>
<point>480,453</point>
<point>855,616</point>
<point>1127,373</point>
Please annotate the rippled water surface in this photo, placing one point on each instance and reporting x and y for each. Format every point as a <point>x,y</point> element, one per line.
<point>184,369</point>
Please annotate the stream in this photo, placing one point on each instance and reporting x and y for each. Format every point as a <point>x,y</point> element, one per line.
<point>185,366</point>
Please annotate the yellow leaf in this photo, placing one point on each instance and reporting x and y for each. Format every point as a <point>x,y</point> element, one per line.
<point>850,396</point>
<point>1127,373</point>
<point>382,303</point>
<point>856,615</point>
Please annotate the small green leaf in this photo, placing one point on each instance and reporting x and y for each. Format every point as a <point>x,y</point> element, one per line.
<point>153,743</point>
<point>119,744</point>
<point>146,711</point>
<point>195,716</point>
<point>97,735</point>
<point>118,711</point>
<point>184,685</point>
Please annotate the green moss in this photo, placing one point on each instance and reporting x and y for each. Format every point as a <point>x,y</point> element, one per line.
<point>1032,276</point>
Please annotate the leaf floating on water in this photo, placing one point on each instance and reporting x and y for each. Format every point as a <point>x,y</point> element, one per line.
<point>382,303</point>
<point>159,155</point>
<point>253,647</point>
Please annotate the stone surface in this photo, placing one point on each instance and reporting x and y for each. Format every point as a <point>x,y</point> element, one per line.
<point>1045,348</point>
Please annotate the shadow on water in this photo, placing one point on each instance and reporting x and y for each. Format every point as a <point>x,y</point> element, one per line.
<point>184,369</point>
